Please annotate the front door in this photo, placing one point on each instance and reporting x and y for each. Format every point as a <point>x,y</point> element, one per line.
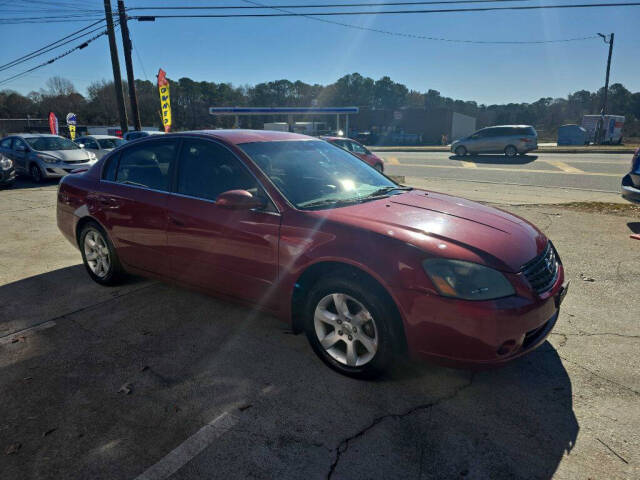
<point>234,252</point>
<point>133,203</point>
<point>20,151</point>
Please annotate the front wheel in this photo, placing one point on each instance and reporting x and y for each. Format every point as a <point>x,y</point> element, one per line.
<point>349,328</point>
<point>99,256</point>
<point>36,173</point>
<point>510,151</point>
<point>461,151</point>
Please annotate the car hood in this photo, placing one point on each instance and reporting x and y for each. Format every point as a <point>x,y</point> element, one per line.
<point>67,155</point>
<point>449,227</point>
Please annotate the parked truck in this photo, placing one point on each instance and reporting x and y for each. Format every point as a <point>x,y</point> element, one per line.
<point>610,127</point>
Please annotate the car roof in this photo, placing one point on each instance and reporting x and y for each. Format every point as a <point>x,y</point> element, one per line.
<point>510,126</point>
<point>99,136</point>
<point>34,135</point>
<point>238,136</point>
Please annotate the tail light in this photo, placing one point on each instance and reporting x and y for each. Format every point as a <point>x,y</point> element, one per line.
<point>119,133</point>
<point>526,140</point>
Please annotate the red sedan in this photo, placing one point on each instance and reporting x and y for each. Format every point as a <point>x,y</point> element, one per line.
<point>302,229</point>
<point>359,150</point>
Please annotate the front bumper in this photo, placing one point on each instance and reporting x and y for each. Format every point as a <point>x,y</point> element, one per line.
<point>476,334</point>
<point>629,190</point>
<point>58,170</point>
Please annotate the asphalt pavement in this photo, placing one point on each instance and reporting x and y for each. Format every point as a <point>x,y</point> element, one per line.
<point>149,381</point>
<point>596,172</point>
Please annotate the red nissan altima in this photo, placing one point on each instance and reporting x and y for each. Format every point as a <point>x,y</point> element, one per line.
<point>295,226</point>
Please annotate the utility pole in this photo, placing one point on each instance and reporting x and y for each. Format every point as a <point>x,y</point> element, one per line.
<point>126,43</point>
<point>603,112</point>
<point>115,64</point>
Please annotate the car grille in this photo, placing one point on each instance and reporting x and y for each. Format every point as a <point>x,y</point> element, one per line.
<point>542,271</point>
<point>73,162</point>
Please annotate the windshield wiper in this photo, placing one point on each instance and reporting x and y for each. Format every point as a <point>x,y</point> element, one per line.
<point>383,190</point>
<point>332,202</point>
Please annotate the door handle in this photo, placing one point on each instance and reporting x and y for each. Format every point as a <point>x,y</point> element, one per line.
<point>108,202</point>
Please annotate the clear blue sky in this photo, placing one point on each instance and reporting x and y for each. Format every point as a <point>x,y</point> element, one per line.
<point>249,51</point>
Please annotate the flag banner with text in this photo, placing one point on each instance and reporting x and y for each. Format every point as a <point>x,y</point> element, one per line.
<point>165,100</point>
<point>71,123</point>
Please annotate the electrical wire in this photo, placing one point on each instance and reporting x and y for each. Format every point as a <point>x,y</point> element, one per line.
<point>52,46</point>
<point>327,5</point>
<point>50,61</point>
<point>426,37</point>
<point>395,12</point>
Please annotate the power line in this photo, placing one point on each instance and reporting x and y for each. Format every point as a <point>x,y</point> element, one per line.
<point>394,12</point>
<point>426,37</point>
<point>52,46</point>
<point>326,5</point>
<point>50,61</point>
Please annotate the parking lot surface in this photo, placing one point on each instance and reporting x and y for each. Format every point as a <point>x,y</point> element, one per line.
<point>150,381</point>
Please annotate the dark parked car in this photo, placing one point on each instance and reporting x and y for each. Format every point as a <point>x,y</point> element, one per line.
<point>7,171</point>
<point>135,134</point>
<point>508,139</point>
<point>631,181</point>
<point>360,151</point>
<point>300,228</point>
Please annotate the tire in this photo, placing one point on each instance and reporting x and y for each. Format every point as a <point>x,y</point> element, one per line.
<point>365,329</point>
<point>36,173</point>
<point>104,269</point>
<point>461,151</point>
<point>510,151</point>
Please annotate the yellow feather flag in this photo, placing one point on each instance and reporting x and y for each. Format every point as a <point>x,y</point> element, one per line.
<point>165,100</point>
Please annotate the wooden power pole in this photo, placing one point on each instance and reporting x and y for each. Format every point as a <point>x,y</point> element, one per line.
<point>126,43</point>
<point>115,64</point>
<point>600,131</point>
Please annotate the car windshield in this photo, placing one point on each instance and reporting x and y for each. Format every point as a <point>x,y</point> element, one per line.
<point>51,143</point>
<point>314,174</point>
<point>110,142</point>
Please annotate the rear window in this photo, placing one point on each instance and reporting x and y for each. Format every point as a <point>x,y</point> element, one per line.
<point>110,142</point>
<point>147,165</point>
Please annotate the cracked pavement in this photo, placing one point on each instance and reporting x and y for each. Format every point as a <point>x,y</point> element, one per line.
<point>68,347</point>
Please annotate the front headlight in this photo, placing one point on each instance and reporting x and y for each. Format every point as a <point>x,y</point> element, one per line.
<point>92,156</point>
<point>467,280</point>
<point>5,163</point>
<point>47,158</point>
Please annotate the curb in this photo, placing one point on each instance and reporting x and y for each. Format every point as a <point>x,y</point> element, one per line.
<point>623,151</point>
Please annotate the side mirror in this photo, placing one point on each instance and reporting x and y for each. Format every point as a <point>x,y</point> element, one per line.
<point>81,145</point>
<point>239,200</point>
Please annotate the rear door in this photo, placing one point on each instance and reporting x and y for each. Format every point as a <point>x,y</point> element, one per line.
<point>230,251</point>
<point>133,203</point>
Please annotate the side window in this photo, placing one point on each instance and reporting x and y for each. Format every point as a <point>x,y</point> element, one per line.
<point>109,170</point>
<point>207,169</point>
<point>6,143</point>
<point>147,165</point>
<point>355,148</point>
<point>17,142</point>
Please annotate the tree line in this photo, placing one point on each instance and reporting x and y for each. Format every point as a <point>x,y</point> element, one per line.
<point>190,101</point>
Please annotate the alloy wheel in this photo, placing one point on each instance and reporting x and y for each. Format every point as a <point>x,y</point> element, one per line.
<point>345,329</point>
<point>36,174</point>
<point>97,253</point>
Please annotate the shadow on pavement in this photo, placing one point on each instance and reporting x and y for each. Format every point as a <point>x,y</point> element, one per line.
<point>26,182</point>
<point>129,373</point>
<point>496,159</point>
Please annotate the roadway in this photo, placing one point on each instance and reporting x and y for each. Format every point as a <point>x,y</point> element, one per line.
<point>597,172</point>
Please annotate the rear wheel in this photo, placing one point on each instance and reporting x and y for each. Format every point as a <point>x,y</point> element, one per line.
<point>36,173</point>
<point>510,151</point>
<point>349,328</point>
<point>461,151</point>
<point>99,255</point>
